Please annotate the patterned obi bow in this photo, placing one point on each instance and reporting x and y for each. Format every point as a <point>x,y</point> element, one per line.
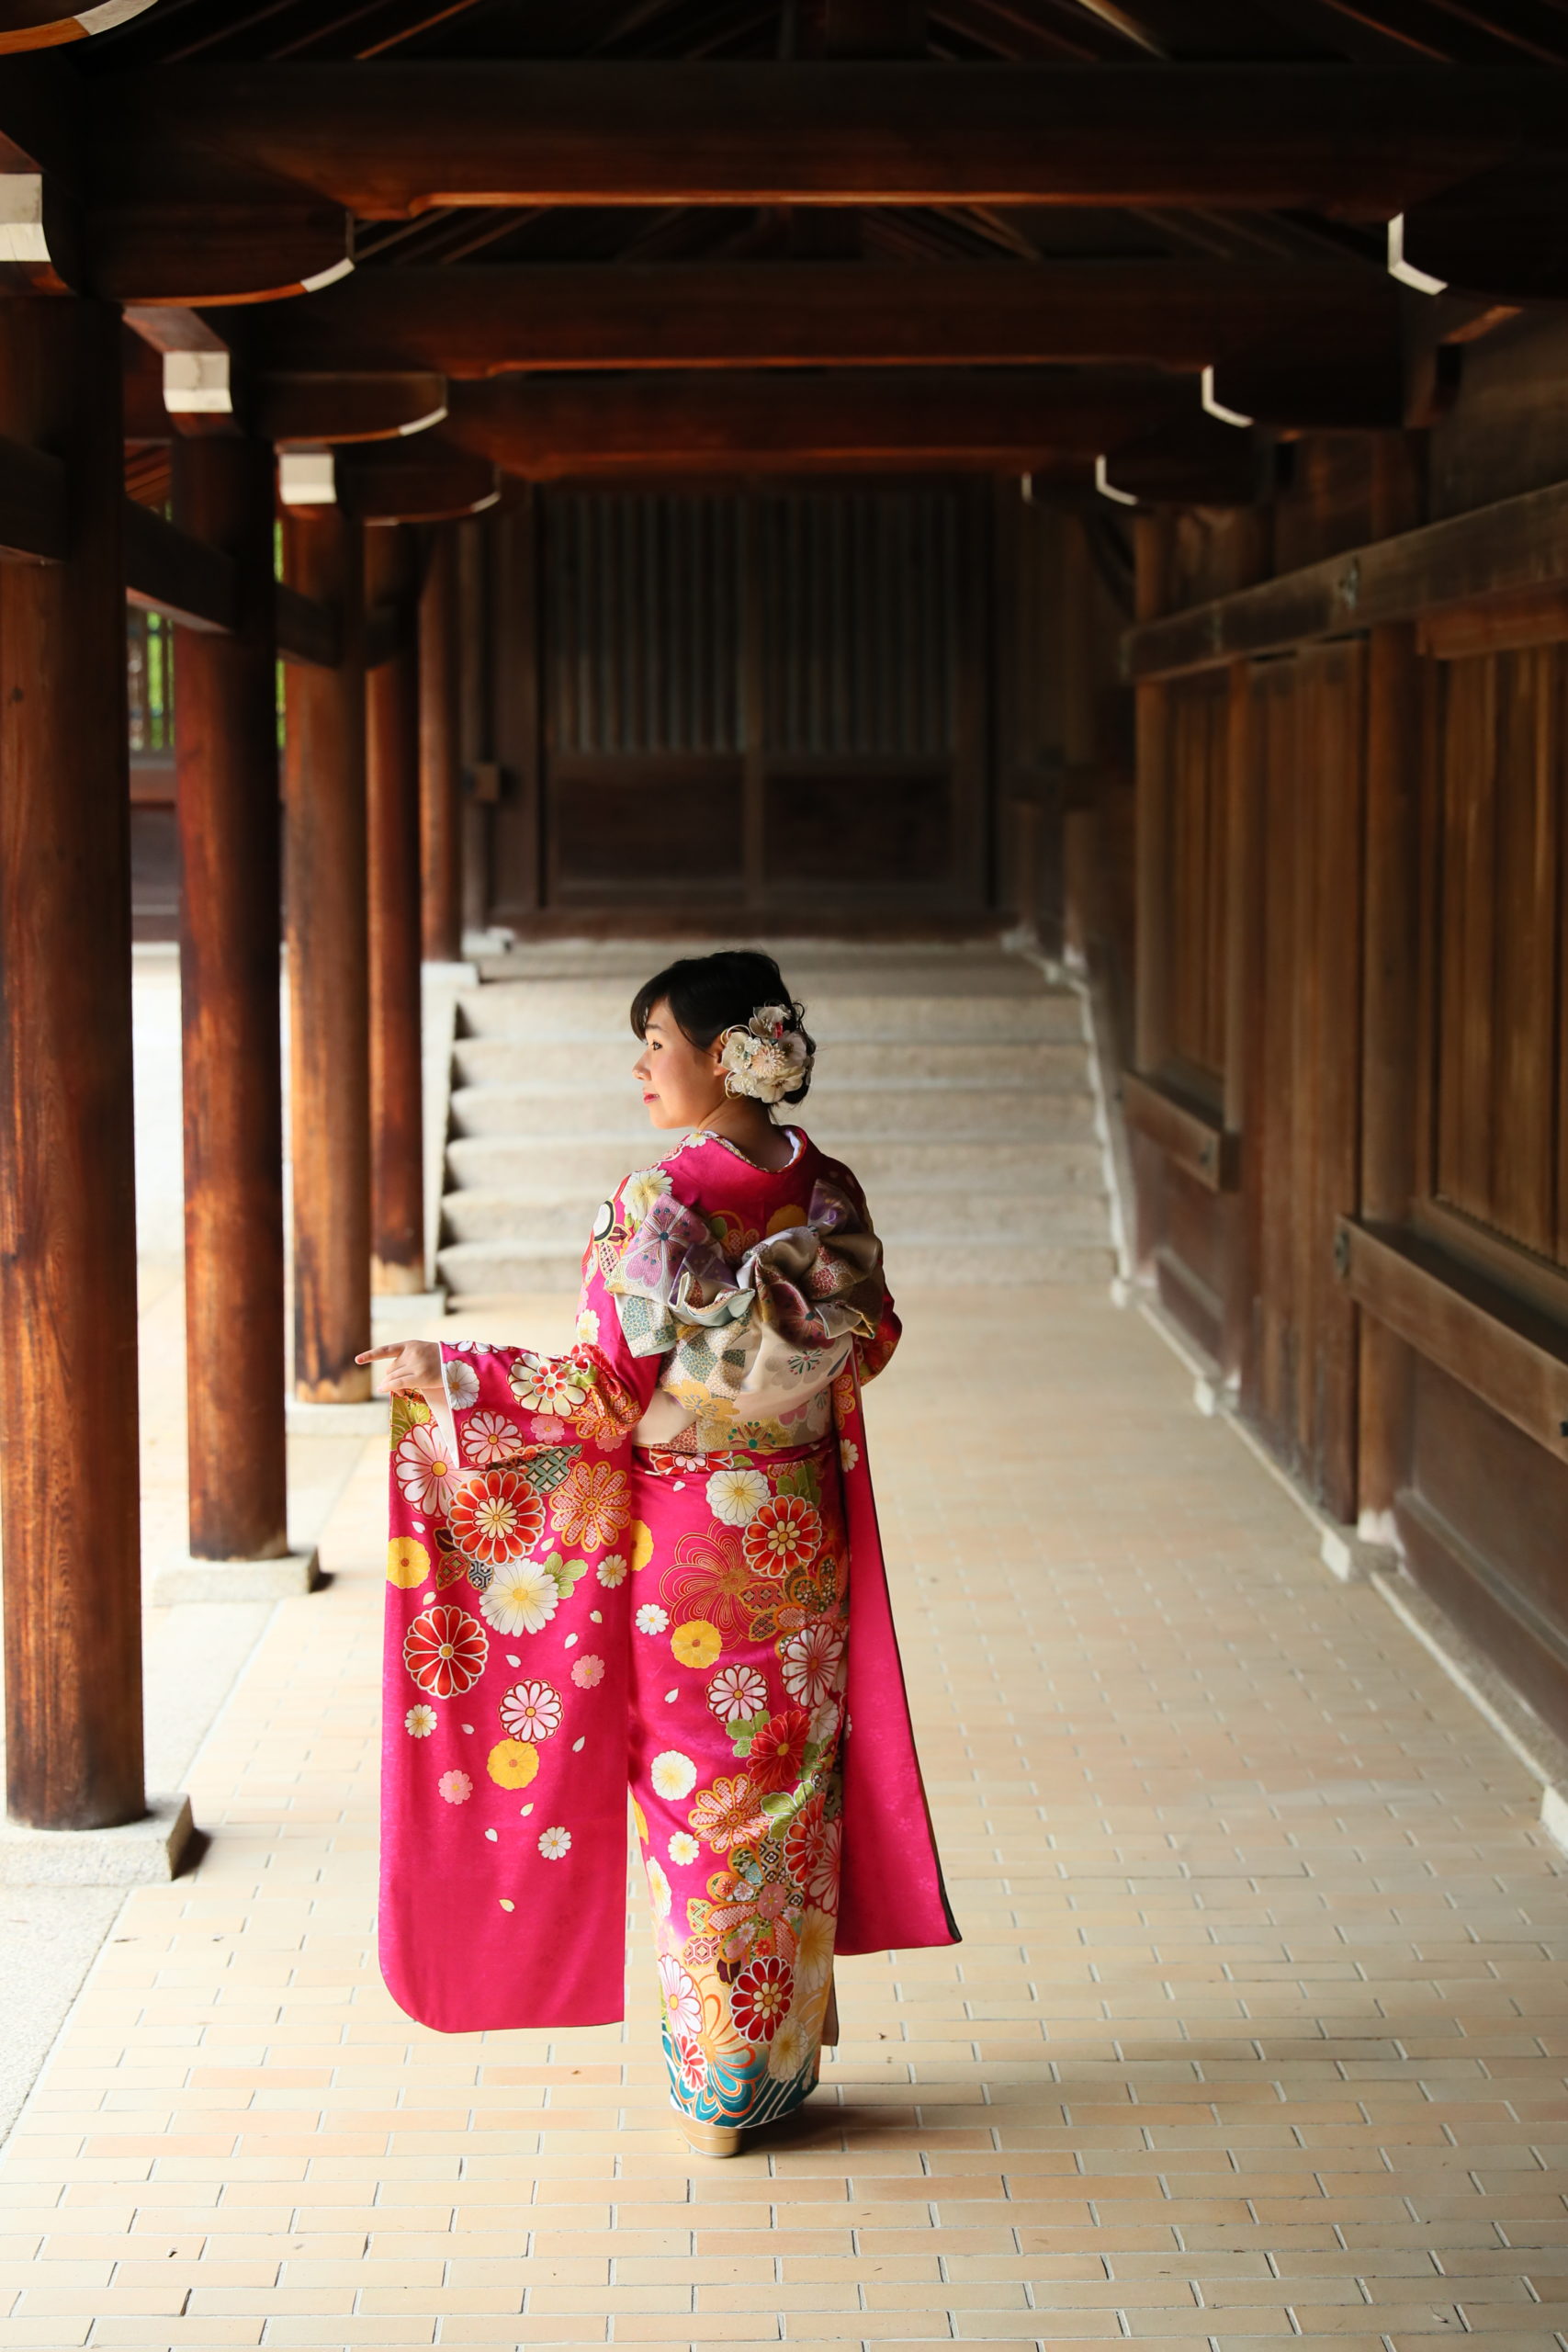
<point>784,1318</point>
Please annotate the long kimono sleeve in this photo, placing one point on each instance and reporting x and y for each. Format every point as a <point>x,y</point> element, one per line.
<point>510,1581</point>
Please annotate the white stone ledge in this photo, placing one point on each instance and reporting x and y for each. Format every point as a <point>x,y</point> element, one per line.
<point>138,1853</point>
<point>189,1578</point>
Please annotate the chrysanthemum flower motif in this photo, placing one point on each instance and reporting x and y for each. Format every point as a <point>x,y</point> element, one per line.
<point>531,1711</point>
<point>673,1774</point>
<point>455,1787</point>
<point>737,1693</point>
<point>548,1384</point>
<point>641,1536</point>
<point>521,1598</point>
<point>735,1496</point>
<point>426,1472</point>
<point>641,1189</point>
<point>849,1454</point>
<point>726,1813</point>
<point>658,1888</point>
<point>497,1516</point>
<point>513,1763</point>
<point>445,1650</point>
<point>553,1844</point>
<point>789,2051</point>
<point>786,1533</point>
<point>420,1720</point>
<point>696,1643</point>
<point>809,1661</point>
<point>588,1326</point>
<point>777,1756</point>
<point>691,2064</point>
<point>462,1384</point>
<point>408,1563</point>
<point>589,1672</point>
<point>612,1571</point>
<point>683,1848</point>
<point>589,1507</point>
<point>760,1998</point>
<point>651,1619</point>
<point>814,1951</point>
<point>682,1998</point>
<point>488,1437</point>
<point>811,1856</point>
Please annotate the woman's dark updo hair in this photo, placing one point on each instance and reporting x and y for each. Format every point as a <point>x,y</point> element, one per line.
<point>708,994</point>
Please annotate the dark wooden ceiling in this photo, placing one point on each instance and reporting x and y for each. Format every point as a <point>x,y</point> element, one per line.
<point>1319,32</point>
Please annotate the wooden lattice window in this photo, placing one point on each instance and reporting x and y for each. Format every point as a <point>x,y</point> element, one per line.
<point>1497,1117</point>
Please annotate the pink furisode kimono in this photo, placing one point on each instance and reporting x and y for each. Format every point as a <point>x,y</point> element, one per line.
<point>654,1561</point>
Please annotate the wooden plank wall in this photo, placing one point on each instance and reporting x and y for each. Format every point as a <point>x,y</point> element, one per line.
<point>1348,1099</point>
<point>780,702</point>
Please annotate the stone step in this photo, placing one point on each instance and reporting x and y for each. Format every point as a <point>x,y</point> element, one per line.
<point>588,1166</point>
<point>522,1011</point>
<point>967,1113</point>
<point>478,1272</point>
<point>1050,1064</point>
<point>505,1213</point>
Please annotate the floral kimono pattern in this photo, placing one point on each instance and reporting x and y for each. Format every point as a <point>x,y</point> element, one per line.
<point>653,1563</point>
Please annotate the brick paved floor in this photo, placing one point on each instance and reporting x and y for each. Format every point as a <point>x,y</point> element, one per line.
<point>1258,2028</point>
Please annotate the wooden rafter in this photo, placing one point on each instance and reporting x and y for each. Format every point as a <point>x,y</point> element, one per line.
<point>389,139</point>
<point>478,322</point>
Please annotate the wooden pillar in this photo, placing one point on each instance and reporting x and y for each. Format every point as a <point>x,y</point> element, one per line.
<point>392,759</point>
<point>1150,546</point>
<point>440,773</point>
<point>1394,753</point>
<point>327,927</point>
<point>226,756</point>
<point>68,1466</point>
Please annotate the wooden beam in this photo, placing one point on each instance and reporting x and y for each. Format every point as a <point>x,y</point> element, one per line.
<point>211,253</point>
<point>39,24</point>
<point>1518,544</point>
<point>1499,238</point>
<point>226,762</point>
<point>391,743</point>
<point>33,510</point>
<point>329,1016</point>
<point>1194,1139</point>
<point>482,322</point>
<point>426,480</point>
<point>307,629</point>
<point>1503,1350</point>
<point>387,139</point>
<point>545,425</point>
<point>171,573</point>
<point>312,406</point>
<point>69,1472</point>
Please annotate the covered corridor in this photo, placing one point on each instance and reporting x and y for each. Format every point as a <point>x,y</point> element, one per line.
<point>1255,2031</point>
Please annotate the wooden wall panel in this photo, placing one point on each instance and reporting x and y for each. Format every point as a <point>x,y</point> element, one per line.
<point>1498,930</point>
<point>1300,1385</point>
<point>798,679</point>
<point>1197,848</point>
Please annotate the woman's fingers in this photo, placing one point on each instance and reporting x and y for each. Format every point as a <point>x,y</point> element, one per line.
<point>390,1347</point>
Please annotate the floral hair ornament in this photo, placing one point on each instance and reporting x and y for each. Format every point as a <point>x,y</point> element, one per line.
<point>766,1056</point>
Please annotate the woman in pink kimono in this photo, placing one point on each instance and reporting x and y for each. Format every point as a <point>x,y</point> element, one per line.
<point>655,1560</point>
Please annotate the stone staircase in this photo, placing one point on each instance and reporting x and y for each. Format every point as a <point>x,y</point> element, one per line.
<point>953,1080</point>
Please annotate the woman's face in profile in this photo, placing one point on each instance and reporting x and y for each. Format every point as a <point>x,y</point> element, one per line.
<point>681,1082</point>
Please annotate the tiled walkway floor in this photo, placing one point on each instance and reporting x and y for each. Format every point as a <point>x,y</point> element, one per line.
<point>1258,2029</point>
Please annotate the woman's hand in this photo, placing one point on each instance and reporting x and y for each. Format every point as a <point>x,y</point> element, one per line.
<point>413,1366</point>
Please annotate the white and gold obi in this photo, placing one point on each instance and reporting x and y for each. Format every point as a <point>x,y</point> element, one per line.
<point>753,1346</point>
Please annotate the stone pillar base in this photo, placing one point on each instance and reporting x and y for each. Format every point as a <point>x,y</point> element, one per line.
<point>140,1853</point>
<point>276,1579</point>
